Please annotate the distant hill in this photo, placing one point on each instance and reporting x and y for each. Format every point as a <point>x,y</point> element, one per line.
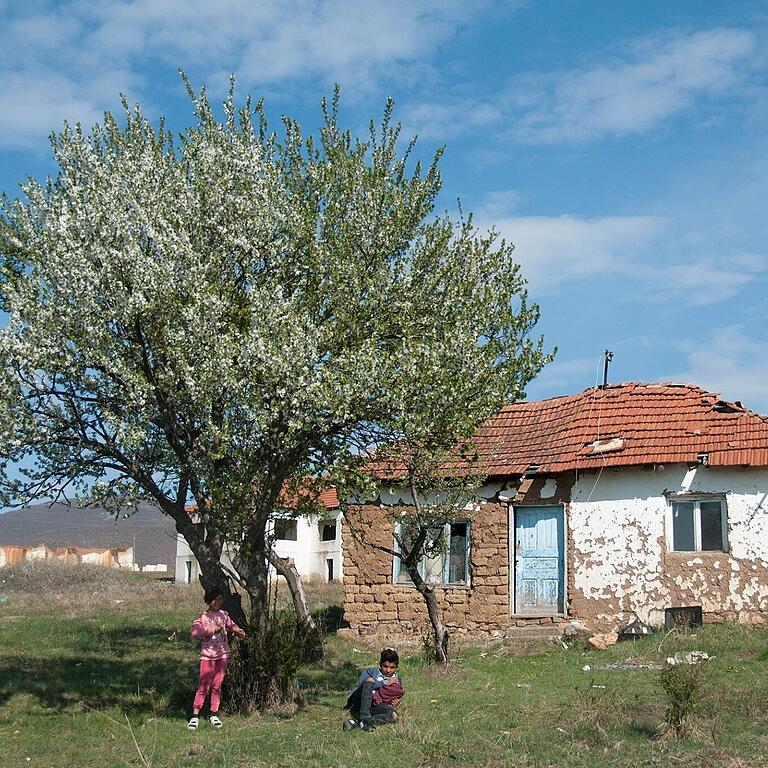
<point>59,525</point>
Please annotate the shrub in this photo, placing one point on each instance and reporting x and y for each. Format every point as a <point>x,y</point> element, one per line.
<point>262,667</point>
<point>683,686</point>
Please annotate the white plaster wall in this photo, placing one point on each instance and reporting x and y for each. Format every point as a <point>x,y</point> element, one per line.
<point>618,531</point>
<point>308,552</point>
<point>37,553</point>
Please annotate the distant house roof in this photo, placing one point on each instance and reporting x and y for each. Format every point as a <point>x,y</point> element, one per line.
<point>326,498</point>
<point>622,425</point>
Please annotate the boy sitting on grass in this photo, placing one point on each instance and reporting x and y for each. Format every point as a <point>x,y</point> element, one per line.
<point>377,695</point>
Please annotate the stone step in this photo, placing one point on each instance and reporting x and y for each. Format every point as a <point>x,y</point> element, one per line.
<point>534,633</point>
<point>554,630</point>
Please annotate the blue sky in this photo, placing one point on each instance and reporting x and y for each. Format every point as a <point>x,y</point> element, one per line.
<point>620,145</point>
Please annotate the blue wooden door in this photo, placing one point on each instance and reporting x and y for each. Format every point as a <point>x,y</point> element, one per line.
<point>539,559</point>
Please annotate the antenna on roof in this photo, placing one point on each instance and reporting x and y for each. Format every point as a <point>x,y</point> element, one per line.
<point>608,357</point>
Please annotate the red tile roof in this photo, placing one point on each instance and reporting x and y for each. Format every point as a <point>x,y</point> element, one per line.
<point>622,425</point>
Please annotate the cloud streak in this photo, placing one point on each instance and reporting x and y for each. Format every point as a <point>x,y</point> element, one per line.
<point>556,250</point>
<point>70,59</point>
<point>650,81</point>
<point>728,361</point>
<point>659,79</point>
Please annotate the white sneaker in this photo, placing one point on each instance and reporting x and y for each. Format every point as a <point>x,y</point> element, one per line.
<point>193,723</point>
<point>215,722</point>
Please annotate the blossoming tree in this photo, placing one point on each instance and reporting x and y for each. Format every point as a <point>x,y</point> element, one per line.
<point>212,319</point>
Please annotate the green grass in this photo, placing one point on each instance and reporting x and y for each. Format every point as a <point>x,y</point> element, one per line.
<point>86,680</point>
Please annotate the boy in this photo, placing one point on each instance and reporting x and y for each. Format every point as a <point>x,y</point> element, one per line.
<point>377,695</point>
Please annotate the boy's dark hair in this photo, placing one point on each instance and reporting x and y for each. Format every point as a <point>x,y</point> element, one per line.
<point>390,655</point>
<point>211,594</point>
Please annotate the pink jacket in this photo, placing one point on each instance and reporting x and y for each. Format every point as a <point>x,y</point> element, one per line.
<point>211,629</point>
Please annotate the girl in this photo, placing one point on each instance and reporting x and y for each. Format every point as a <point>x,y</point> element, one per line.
<point>211,628</point>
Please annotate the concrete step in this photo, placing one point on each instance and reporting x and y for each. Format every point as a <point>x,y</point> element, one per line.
<point>533,632</point>
<point>535,629</point>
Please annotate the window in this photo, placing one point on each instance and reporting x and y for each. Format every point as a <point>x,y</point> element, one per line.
<point>329,567</point>
<point>328,531</point>
<point>449,563</point>
<point>699,525</point>
<point>286,530</point>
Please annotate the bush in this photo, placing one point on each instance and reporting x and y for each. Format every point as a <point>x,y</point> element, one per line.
<point>262,667</point>
<point>683,685</point>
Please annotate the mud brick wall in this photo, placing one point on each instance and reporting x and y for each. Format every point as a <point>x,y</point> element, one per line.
<point>373,603</point>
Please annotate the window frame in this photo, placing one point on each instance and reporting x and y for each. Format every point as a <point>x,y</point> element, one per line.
<point>697,500</point>
<point>328,523</point>
<point>445,568</point>
<point>285,521</point>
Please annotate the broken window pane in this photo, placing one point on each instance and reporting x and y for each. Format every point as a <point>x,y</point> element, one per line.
<point>401,575</point>
<point>683,537</point>
<point>457,554</point>
<point>711,526</point>
<point>444,556</point>
<point>434,555</point>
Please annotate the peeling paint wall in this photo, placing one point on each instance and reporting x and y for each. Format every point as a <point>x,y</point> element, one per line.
<point>618,556</point>
<point>114,557</point>
<point>620,541</point>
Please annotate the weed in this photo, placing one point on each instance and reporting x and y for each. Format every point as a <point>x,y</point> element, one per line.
<point>263,666</point>
<point>683,686</point>
<point>593,710</point>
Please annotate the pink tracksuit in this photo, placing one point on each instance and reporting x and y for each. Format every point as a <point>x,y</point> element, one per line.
<point>214,655</point>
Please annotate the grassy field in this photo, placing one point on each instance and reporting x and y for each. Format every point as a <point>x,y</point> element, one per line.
<point>102,671</point>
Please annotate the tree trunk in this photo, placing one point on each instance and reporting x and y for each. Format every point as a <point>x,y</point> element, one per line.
<point>258,591</point>
<point>439,631</point>
<point>292,578</point>
<point>212,573</point>
<point>252,567</point>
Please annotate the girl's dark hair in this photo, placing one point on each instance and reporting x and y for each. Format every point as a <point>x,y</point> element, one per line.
<point>389,655</point>
<point>211,594</point>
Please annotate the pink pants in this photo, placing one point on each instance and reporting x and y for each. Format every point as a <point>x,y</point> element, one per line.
<point>211,675</point>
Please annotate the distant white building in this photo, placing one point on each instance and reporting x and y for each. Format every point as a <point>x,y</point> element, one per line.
<point>312,543</point>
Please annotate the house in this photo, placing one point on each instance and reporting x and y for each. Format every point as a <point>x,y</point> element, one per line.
<point>312,543</point>
<point>71,532</point>
<point>114,557</point>
<point>612,503</point>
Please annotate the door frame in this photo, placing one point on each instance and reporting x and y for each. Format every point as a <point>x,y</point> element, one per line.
<point>512,530</point>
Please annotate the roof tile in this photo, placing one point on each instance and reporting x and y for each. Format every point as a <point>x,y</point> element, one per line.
<point>659,423</point>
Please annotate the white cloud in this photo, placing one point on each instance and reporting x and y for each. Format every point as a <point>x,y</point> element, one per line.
<point>554,250</point>
<point>70,59</point>
<point>632,94</point>
<point>435,120</point>
<point>557,251</point>
<point>701,283</point>
<point>730,362</point>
